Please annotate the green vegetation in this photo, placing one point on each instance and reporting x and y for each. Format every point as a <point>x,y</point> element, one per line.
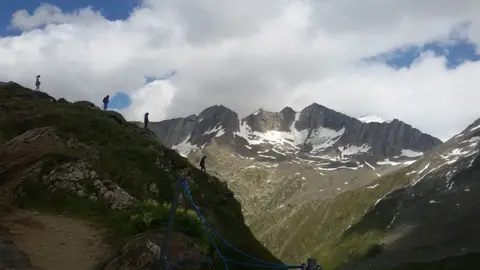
<point>328,230</point>
<point>141,217</point>
<point>131,157</point>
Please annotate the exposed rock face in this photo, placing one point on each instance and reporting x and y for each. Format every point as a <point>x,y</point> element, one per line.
<point>12,258</point>
<point>144,249</point>
<point>199,129</point>
<point>23,159</point>
<point>385,139</point>
<point>174,131</point>
<point>76,176</point>
<point>263,121</point>
<point>434,217</point>
<point>314,128</point>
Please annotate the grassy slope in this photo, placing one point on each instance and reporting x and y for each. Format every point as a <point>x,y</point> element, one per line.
<point>122,152</point>
<point>317,229</point>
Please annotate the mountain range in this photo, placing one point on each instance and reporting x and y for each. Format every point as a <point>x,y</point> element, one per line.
<point>319,183</point>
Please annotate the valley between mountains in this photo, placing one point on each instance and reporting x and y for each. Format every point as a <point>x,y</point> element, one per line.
<point>353,193</point>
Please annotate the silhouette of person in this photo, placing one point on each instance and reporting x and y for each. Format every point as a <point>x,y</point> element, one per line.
<point>105,102</point>
<point>202,163</point>
<point>37,83</point>
<point>145,120</point>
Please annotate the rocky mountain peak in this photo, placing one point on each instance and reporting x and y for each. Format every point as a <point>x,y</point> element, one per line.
<point>215,118</point>
<point>316,115</point>
<point>287,110</point>
<point>316,129</point>
<point>263,121</point>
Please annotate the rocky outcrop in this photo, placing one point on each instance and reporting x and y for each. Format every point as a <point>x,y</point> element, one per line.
<point>385,139</point>
<point>434,217</point>
<point>141,252</point>
<point>24,158</point>
<point>75,177</point>
<point>263,121</point>
<point>173,131</point>
<point>21,159</point>
<point>90,153</point>
<point>12,258</point>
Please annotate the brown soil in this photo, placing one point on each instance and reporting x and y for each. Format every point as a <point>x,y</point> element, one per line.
<point>56,242</point>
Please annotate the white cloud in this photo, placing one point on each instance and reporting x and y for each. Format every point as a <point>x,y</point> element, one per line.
<point>252,54</point>
<point>157,95</point>
<point>47,13</point>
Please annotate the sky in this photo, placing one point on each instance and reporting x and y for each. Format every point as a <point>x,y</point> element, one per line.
<point>410,60</point>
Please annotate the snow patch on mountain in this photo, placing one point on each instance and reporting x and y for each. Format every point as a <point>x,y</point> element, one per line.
<point>475,128</point>
<point>214,130</point>
<point>368,164</point>
<point>411,153</point>
<point>371,119</point>
<point>410,162</point>
<point>374,186</point>
<point>387,161</point>
<point>322,138</point>
<point>185,147</point>
<point>350,150</point>
<point>273,137</point>
<point>319,138</point>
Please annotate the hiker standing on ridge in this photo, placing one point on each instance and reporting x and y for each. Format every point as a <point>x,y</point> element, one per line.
<point>37,83</point>
<point>202,163</point>
<point>105,102</point>
<point>145,120</point>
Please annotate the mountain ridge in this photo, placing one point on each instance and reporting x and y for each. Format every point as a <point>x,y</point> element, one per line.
<point>310,129</point>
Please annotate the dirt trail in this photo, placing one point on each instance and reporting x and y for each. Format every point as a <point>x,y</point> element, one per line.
<point>56,242</point>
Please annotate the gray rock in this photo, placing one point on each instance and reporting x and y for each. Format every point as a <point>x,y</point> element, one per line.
<point>143,250</point>
<point>81,193</point>
<point>384,139</point>
<point>11,257</point>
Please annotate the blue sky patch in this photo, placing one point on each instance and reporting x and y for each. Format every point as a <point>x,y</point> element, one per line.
<point>455,54</point>
<point>457,50</point>
<point>111,9</point>
<point>120,101</point>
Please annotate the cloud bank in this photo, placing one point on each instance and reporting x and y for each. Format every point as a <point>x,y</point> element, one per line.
<point>254,54</point>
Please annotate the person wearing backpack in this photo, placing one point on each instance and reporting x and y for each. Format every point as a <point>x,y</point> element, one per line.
<point>105,102</point>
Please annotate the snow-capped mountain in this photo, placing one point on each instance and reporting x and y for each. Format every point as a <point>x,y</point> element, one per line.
<point>318,183</point>
<point>294,153</point>
<point>434,216</point>
<point>315,133</point>
<point>414,217</point>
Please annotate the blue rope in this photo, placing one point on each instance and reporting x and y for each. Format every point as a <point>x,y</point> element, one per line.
<point>205,224</point>
<point>187,262</point>
<point>266,266</point>
<point>190,198</point>
<point>168,265</point>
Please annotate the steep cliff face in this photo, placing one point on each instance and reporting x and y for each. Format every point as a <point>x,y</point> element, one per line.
<point>174,131</point>
<point>432,221</point>
<point>386,139</point>
<point>315,130</point>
